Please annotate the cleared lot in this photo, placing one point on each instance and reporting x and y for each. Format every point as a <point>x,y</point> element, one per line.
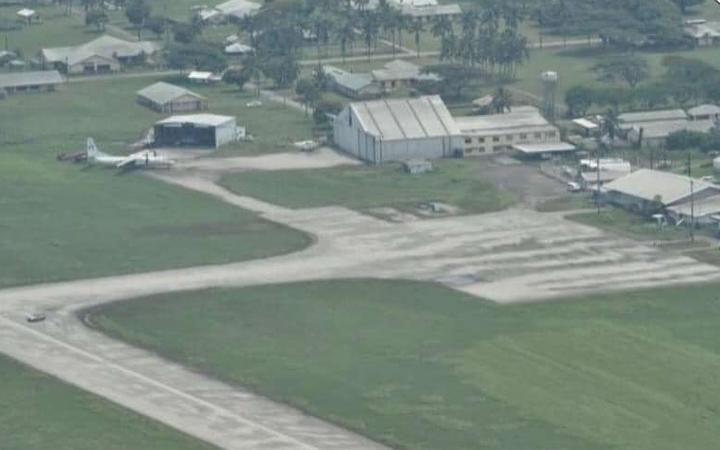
<point>423,367</point>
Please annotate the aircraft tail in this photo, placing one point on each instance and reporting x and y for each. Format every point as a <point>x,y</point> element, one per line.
<point>92,150</point>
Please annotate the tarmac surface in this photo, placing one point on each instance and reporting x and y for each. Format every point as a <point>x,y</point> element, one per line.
<point>512,256</point>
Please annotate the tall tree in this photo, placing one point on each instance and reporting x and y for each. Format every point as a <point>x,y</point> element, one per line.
<point>137,11</point>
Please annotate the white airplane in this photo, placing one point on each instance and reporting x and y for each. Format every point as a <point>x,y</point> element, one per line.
<point>146,159</point>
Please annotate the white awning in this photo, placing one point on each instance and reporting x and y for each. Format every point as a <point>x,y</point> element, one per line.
<point>538,149</point>
<point>584,123</point>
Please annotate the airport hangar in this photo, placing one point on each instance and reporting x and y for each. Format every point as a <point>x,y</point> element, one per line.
<point>398,130</point>
<point>195,130</point>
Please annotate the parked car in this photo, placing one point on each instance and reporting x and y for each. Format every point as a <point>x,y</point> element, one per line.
<point>35,317</point>
<point>574,187</point>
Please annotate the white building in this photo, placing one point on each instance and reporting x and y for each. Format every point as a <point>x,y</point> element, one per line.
<point>104,54</point>
<point>398,130</point>
<point>196,130</point>
<point>502,132</point>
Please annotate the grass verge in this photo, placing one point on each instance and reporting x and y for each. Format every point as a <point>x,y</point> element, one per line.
<point>423,367</point>
<point>41,413</point>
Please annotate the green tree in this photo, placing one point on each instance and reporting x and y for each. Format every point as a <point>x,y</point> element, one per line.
<point>137,11</point>
<point>236,77</point>
<point>578,100</point>
<point>195,55</point>
<point>632,69</point>
<point>97,18</point>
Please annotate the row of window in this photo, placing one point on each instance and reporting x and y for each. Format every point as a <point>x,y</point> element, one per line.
<point>510,137</point>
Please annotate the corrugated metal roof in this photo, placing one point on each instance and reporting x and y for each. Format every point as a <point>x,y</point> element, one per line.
<point>704,110</point>
<point>212,120</point>
<point>648,184</point>
<point>162,92</point>
<point>664,128</point>
<point>105,46</point>
<point>534,149</point>
<point>20,79</point>
<point>650,116</point>
<point>520,118</point>
<point>398,119</point>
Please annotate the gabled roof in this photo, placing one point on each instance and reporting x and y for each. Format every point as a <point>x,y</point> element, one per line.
<point>352,81</point>
<point>704,110</point>
<point>238,48</point>
<point>649,184</point>
<point>663,128</point>
<point>238,8</point>
<point>410,118</point>
<point>650,116</point>
<point>106,46</point>
<point>520,118</point>
<point>20,79</point>
<point>163,93</point>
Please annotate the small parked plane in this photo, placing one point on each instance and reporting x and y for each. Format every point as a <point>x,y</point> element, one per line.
<point>146,159</point>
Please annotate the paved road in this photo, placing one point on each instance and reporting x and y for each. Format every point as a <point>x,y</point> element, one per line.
<point>509,256</point>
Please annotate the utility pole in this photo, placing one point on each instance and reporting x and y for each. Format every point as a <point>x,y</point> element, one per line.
<point>692,198</point>
<point>597,179</point>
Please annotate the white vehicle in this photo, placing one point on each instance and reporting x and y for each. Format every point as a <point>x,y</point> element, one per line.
<point>573,187</point>
<point>146,159</point>
<point>33,317</point>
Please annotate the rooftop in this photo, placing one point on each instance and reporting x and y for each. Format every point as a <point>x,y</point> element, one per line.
<point>410,118</point>
<point>520,118</point>
<point>211,120</point>
<point>649,184</point>
<point>353,81</point>
<point>162,92</point>
<point>20,79</point>
<point>238,8</point>
<point>105,46</point>
<point>537,149</point>
<point>663,128</point>
<point>704,110</point>
<point>649,116</point>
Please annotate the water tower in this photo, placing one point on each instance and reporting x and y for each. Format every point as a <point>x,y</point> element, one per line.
<point>550,81</point>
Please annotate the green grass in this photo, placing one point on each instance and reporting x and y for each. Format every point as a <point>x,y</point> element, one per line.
<point>41,413</point>
<point>56,30</point>
<point>453,182</point>
<point>619,221</point>
<point>60,222</point>
<point>426,368</point>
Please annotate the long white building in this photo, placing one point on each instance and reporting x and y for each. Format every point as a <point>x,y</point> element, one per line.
<point>502,132</point>
<point>398,130</point>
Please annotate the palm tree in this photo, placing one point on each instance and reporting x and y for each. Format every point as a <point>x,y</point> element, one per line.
<point>416,27</point>
<point>502,100</point>
<point>346,35</point>
<point>252,68</point>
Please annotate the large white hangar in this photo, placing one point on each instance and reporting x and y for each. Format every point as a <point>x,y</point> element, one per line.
<point>398,130</point>
<point>195,130</point>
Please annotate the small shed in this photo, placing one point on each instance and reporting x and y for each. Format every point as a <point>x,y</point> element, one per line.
<point>196,130</point>
<point>168,98</point>
<point>238,49</point>
<point>28,15</point>
<point>203,77</point>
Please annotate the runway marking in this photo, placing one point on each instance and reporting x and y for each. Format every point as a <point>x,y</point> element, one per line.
<point>155,383</point>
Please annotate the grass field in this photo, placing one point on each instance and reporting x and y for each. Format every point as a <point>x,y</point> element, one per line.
<point>41,413</point>
<point>56,30</point>
<point>451,182</point>
<point>59,221</point>
<point>423,367</point>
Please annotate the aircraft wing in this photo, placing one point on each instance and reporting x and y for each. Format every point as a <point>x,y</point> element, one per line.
<point>128,162</point>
